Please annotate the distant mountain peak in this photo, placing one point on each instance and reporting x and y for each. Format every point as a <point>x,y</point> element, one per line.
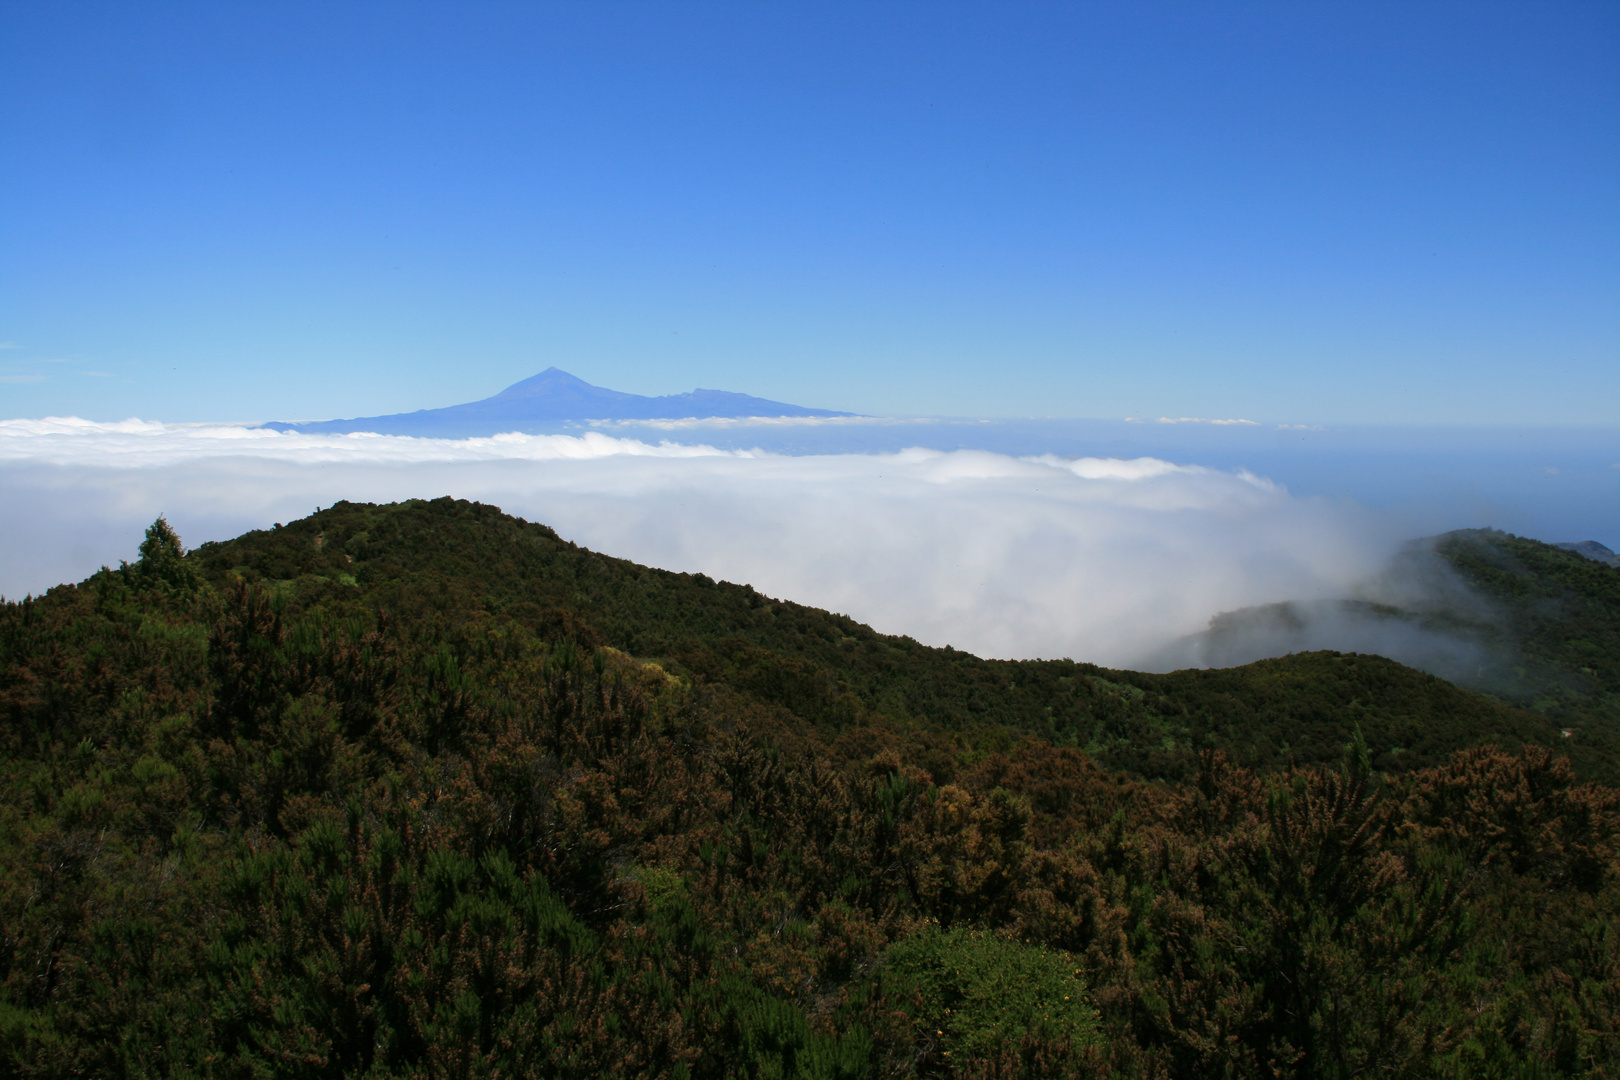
<point>1592,550</point>
<point>554,395</point>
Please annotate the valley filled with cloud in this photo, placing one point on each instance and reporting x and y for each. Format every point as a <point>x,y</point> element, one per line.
<point>1101,559</point>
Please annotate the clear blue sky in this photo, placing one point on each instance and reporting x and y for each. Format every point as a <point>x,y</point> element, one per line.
<point>1296,212</point>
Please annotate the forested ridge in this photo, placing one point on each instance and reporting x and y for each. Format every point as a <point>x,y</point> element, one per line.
<point>1556,618</point>
<point>423,789</point>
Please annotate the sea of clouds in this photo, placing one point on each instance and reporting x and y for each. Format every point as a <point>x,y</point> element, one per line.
<point>1097,558</point>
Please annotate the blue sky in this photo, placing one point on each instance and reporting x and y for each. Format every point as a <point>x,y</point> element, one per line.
<point>1378,213</point>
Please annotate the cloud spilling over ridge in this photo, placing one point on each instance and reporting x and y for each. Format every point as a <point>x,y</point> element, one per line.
<point>1418,609</point>
<point>1096,558</point>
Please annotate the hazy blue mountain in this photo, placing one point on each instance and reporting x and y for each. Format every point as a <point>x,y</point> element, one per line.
<point>1592,550</point>
<point>540,402</point>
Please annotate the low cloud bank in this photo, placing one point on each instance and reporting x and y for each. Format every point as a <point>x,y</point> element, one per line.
<point>69,440</point>
<point>1100,559</point>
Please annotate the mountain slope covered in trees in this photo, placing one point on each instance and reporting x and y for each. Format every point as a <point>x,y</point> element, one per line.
<point>1555,616</point>
<point>446,560</point>
<point>425,790</point>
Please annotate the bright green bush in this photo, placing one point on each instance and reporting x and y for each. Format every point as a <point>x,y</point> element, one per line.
<point>980,990</point>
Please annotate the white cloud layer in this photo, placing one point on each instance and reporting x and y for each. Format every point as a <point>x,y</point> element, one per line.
<point>1197,420</point>
<point>68,440</point>
<point>1097,558</point>
<point>723,423</point>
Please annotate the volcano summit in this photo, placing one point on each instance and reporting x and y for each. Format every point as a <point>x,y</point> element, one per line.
<point>540,402</point>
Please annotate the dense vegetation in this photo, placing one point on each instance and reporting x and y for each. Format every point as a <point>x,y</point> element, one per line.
<point>1556,616</point>
<point>423,789</point>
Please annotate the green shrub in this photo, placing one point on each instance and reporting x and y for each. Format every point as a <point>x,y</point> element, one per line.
<point>981,991</point>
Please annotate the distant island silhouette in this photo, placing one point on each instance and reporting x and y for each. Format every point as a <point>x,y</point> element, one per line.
<point>554,395</point>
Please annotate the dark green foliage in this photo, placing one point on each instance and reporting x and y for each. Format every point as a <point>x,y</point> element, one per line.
<point>162,562</point>
<point>428,559</point>
<point>971,993</point>
<point>425,790</point>
<point>1558,622</point>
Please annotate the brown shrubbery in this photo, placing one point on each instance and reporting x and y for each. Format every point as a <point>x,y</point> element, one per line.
<point>268,830</point>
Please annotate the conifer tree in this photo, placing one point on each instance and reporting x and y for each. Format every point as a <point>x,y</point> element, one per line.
<point>162,558</point>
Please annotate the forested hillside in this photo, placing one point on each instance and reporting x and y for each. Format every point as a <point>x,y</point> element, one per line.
<point>452,562</point>
<point>1557,618</point>
<point>424,790</point>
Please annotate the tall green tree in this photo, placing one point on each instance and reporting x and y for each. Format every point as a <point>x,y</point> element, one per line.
<point>163,558</point>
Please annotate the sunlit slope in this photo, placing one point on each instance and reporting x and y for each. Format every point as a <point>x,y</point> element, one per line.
<point>451,562</point>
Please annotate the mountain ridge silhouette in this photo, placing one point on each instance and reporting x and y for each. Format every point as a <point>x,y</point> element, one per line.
<point>554,395</point>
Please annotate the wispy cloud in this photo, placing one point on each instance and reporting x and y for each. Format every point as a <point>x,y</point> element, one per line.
<point>22,378</point>
<point>9,345</point>
<point>724,422</point>
<point>1201,420</point>
<point>1104,559</point>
